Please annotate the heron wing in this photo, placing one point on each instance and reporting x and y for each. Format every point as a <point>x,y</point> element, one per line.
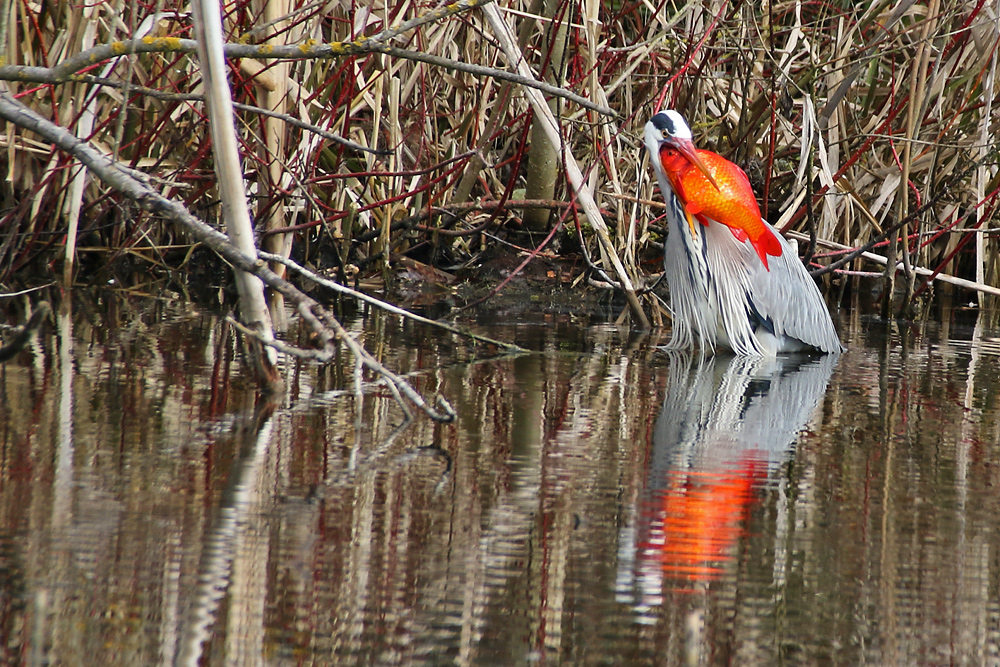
<point>787,296</point>
<point>782,309</point>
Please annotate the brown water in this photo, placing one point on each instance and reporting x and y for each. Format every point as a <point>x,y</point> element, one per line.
<point>599,502</point>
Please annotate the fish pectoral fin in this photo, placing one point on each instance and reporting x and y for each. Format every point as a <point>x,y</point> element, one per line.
<point>770,243</point>
<point>690,219</point>
<point>693,208</point>
<point>767,244</point>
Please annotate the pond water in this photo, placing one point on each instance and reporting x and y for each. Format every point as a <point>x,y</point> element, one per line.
<point>597,502</point>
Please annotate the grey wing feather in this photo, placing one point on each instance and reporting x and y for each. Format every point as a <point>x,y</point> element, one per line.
<point>787,295</point>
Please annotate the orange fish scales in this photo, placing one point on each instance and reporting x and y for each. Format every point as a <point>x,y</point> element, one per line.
<point>732,203</point>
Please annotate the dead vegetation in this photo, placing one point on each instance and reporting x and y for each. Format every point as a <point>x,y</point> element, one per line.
<point>397,133</point>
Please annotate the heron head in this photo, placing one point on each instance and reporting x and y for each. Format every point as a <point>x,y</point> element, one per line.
<point>667,134</point>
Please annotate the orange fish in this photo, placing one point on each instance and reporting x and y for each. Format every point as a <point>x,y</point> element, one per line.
<point>713,188</point>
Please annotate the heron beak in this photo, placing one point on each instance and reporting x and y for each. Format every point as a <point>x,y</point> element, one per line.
<point>686,148</point>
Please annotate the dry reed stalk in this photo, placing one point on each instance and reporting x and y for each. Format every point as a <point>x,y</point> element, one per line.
<point>272,171</point>
<point>232,187</point>
<point>542,172</point>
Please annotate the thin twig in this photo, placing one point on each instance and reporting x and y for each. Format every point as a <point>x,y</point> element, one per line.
<point>8,295</point>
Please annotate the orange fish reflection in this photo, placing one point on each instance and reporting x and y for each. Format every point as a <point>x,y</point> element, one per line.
<point>699,519</point>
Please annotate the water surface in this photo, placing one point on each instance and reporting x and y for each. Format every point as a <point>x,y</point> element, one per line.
<point>597,502</point>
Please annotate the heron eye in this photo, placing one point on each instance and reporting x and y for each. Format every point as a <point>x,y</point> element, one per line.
<point>665,132</point>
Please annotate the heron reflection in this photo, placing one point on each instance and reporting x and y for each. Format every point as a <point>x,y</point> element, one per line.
<point>726,424</point>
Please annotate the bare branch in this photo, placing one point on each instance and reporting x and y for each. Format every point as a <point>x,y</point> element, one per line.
<point>68,70</point>
<point>327,328</point>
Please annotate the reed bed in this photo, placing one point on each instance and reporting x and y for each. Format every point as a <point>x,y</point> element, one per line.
<point>869,125</point>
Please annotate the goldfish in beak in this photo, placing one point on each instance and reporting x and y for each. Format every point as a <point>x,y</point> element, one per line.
<point>710,187</point>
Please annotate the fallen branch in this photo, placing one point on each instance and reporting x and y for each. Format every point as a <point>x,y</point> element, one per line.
<point>145,91</point>
<point>919,270</point>
<point>132,185</point>
<point>396,383</point>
